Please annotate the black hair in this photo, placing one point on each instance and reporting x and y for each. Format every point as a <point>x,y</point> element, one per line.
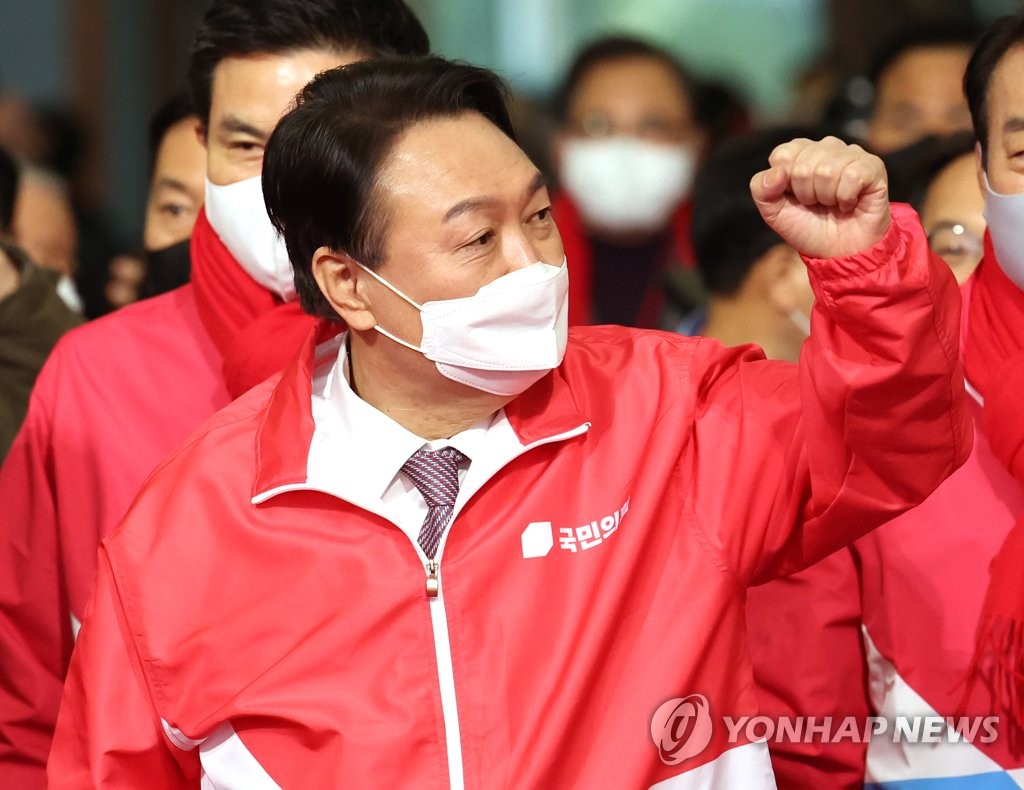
<point>913,168</point>
<point>920,35</point>
<point>176,108</point>
<point>727,230</point>
<point>236,28</point>
<point>721,109</point>
<point>321,164</point>
<point>612,48</point>
<point>9,180</point>
<point>1004,34</point>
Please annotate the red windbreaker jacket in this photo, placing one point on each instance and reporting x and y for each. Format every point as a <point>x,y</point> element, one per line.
<point>913,592</point>
<point>252,630</point>
<point>113,400</point>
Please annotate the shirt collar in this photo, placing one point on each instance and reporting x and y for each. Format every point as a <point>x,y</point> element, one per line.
<point>383,445</point>
<point>290,431</point>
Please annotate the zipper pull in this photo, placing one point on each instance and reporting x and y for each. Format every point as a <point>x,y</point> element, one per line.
<point>433,583</point>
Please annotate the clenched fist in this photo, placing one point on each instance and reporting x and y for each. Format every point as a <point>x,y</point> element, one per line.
<point>825,199</point>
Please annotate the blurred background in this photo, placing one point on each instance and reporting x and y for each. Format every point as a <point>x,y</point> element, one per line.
<point>80,79</point>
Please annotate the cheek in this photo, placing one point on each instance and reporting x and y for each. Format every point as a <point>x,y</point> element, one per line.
<point>154,233</point>
<point>225,166</point>
<point>1004,175</point>
<point>552,248</point>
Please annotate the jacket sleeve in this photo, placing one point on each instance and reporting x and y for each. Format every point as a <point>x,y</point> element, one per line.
<point>35,620</point>
<point>790,465</point>
<point>109,733</point>
<point>804,633</point>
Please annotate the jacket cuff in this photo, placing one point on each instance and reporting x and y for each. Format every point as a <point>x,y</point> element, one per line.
<point>887,251</point>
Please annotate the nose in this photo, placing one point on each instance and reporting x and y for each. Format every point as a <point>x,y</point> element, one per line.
<point>520,252</point>
<point>521,248</point>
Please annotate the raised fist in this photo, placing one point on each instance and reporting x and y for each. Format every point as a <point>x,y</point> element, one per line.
<point>825,199</point>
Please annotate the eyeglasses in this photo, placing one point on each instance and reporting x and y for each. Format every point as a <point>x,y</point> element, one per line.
<point>597,124</point>
<point>956,244</point>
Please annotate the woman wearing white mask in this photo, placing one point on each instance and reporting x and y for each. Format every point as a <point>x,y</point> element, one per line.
<point>626,153</point>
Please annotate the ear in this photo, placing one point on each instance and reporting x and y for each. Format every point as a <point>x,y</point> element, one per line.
<point>785,278</point>
<point>201,133</point>
<point>340,279</point>
<point>979,167</point>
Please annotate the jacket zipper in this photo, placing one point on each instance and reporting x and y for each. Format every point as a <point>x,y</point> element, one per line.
<point>433,583</point>
<point>438,616</point>
<point>445,669</point>
<point>439,625</point>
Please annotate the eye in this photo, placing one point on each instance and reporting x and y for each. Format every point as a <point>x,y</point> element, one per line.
<point>482,240</point>
<point>543,215</point>
<point>246,146</point>
<point>172,209</point>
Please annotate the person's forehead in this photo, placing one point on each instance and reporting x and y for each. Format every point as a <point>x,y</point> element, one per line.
<point>934,64</point>
<point>181,152</point>
<point>630,80</point>
<point>1006,88</point>
<point>262,86</point>
<point>426,167</point>
<point>956,183</point>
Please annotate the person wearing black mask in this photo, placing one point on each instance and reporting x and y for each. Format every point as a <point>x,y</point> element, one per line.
<point>177,174</point>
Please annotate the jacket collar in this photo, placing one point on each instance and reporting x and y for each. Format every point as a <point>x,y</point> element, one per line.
<point>286,431</point>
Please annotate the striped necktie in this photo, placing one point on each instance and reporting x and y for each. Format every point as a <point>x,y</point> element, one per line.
<point>436,475</point>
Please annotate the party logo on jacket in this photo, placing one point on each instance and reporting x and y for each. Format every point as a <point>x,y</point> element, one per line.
<point>538,537</point>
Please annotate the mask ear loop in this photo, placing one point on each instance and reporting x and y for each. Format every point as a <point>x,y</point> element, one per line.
<point>392,288</point>
<point>389,286</point>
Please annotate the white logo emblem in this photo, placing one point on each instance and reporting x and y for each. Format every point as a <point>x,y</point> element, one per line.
<point>537,539</point>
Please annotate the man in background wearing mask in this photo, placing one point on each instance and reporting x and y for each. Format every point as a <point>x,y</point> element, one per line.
<point>177,185</point>
<point>941,588</point>
<point>119,394</point>
<point>371,572</point>
<point>626,151</point>
<point>32,314</point>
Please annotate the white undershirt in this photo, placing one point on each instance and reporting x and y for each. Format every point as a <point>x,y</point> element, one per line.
<point>357,451</point>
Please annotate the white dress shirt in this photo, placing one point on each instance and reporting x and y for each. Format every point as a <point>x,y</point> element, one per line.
<point>357,451</point>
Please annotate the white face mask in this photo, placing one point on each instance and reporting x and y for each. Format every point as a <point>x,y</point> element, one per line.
<point>239,216</point>
<point>1005,217</point>
<point>503,338</point>
<point>625,184</point>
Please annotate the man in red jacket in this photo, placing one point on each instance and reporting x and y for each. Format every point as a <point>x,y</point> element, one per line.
<point>460,545</point>
<point>119,394</point>
<point>936,594</point>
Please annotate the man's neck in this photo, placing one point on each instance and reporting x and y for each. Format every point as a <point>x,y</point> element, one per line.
<point>421,404</point>
<point>734,322</point>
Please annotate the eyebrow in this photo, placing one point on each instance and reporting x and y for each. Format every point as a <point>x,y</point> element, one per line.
<point>171,183</point>
<point>472,204</point>
<point>232,123</point>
